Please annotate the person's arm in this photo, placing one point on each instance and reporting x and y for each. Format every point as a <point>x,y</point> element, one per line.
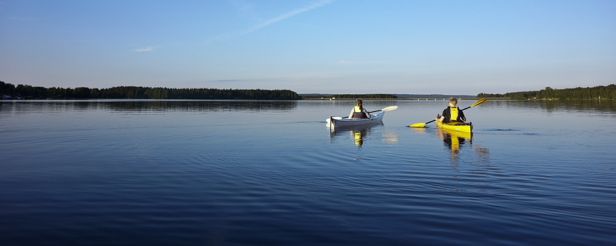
<point>462,115</point>
<point>367,114</point>
<point>351,114</point>
<point>441,118</point>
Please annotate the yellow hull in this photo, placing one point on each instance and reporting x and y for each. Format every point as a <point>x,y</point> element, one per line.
<point>456,134</point>
<point>456,126</point>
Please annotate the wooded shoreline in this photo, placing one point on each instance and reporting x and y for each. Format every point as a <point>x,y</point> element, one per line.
<point>10,91</point>
<point>589,93</point>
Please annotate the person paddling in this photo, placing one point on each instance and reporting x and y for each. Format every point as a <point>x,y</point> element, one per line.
<point>451,113</point>
<point>359,111</point>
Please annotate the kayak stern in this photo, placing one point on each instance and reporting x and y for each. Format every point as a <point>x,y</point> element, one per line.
<point>456,126</point>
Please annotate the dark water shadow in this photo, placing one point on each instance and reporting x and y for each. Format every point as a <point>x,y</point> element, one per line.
<point>151,105</point>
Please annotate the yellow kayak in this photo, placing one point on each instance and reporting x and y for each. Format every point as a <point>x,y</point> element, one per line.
<point>456,126</point>
<point>455,134</point>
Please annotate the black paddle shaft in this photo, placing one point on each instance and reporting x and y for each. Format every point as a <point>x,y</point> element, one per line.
<point>368,112</point>
<point>460,110</point>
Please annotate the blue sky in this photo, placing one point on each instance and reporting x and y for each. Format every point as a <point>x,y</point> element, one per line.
<point>337,46</point>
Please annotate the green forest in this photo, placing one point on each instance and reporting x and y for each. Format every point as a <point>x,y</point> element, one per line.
<point>579,93</point>
<point>352,96</point>
<point>138,92</point>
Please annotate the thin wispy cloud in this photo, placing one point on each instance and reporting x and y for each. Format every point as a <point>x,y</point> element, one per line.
<point>145,49</point>
<point>289,14</point>
<point>242,6</point>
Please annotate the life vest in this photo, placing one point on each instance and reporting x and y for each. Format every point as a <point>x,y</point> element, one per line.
<point>454,114</point>
<point>357,113</point>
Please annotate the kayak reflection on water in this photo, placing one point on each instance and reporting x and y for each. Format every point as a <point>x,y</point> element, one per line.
<point>358,136</point>
<point>357,133</point>
<point>453,140</point>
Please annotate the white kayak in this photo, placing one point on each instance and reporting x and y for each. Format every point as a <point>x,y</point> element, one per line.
<point>344,122</point>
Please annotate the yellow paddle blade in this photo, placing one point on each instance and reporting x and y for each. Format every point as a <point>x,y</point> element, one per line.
<point>479,102</point>
<point>418,125</point>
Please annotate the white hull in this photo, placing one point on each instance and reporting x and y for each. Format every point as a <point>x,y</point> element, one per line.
<point>344,122</point>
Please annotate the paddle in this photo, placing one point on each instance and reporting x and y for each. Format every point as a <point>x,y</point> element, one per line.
<point>419,125</point>
<point>390,108</point>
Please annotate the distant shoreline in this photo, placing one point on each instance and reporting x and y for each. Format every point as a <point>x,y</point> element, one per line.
<point>241,99</point>
<point>391,99</point>
<point>308,99</point>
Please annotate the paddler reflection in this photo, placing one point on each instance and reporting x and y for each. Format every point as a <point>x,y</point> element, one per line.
<point>454,141</point>
<point>357,134</point>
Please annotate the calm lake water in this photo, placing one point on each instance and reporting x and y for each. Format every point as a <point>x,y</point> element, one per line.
<point>130,172</point>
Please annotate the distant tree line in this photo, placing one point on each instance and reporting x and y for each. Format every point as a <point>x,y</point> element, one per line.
<point>138,92</point>
<point>597,92</point>
<point>353,96</point>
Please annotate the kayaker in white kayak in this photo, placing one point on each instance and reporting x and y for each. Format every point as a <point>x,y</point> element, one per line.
<point>451,113</point>
<point>359,111</point>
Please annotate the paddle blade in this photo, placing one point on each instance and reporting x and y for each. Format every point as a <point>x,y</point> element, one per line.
<point>418,125</point>
<point>390,108</point>
<point>479,102</point>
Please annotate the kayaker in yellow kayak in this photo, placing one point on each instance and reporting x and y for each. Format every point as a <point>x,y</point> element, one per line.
<point>451,113</point>
<point>359,111</point>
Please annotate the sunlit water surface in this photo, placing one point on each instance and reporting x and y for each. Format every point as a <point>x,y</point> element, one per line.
<point>126,172</point>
